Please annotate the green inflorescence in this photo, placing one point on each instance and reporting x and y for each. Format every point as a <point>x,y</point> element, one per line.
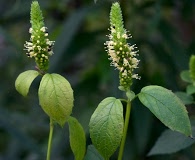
<point>192,68</point>
<point>37,20</point>
<point>122,55</point>
<point>116,19</point>
<point>39,46</point>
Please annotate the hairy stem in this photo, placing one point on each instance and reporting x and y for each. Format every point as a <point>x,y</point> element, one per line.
<point>127,116</point>
<point>50,139</point>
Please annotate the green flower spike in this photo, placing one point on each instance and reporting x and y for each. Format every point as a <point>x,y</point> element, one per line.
<point>39,47</point>
<point>122,55</point>
<point>192,68</point>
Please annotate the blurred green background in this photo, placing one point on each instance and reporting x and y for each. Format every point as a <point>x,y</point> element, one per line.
<point>165,36</point>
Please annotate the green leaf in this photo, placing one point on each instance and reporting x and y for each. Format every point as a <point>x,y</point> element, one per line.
<point>185,98</point>
<point>106,126</point>
<point>130,95</point>
<point>190,89</point>
<point>121,88</point>
<point>24,80</point>
<point>167,107</point>
<point>56,97</point>
<point>185,76</point>
<point>171,142</point>
<point>77,138</point>
<point>92,154</point>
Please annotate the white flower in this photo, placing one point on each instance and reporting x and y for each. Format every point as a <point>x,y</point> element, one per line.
<point>43,29</point>
<point>30,30</point>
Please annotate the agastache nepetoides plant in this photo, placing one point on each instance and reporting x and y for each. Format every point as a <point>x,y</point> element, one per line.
<point>55,93</point>
<point>108,126</point>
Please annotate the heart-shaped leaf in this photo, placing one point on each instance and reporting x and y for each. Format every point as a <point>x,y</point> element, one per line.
<point>24,80</point>
<point>77,138</point>
<point>167,107</point>
<point>106,126</point>
<point>56,97</point>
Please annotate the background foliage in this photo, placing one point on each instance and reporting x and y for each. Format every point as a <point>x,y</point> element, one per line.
<point>164,33</point>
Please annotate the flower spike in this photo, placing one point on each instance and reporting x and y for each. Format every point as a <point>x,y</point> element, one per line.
<point>122,55</point>
<point>39,46</point>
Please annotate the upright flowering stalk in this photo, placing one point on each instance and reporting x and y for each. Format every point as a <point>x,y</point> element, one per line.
<point>55,93</point>
<point>108,124</point>
<point>122,55</point>
<point>39,46</point>
<point>192,68</point>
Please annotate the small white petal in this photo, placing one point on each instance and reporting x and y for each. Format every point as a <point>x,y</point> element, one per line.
<point>43,29</point>
<point>30,30</point>
<point>125,62</point>
<point>124,73</point>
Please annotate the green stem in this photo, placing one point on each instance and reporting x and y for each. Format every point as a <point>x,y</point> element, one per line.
<point>124,100</point>
<point>50,139</point>
<point>127,116</point>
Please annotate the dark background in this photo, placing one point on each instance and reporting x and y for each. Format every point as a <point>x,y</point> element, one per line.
<point>164,33</point>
